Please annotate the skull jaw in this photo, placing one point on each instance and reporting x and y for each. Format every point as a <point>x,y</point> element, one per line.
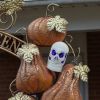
<point>55,67</point>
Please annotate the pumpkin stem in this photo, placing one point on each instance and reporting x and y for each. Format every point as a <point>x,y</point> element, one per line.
<point>78,52</point>
<point>71,38</point>
<point>26,37</point>
<point>27,41</point>
<point>76,58</point>
<point>4,22</point>
<point>71,48</point>
<point>22,28</point>
<point>10,87</point>
<point>51,8</point>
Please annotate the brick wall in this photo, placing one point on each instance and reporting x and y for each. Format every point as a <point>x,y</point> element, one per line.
<point>8,69</point>
<point>93,43</point>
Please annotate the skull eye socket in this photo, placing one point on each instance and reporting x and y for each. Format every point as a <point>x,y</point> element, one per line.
<point>53,52</point>
<point>61,55</point>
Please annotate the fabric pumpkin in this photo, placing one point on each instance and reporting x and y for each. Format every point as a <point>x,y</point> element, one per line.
<point>47,30</point>
<point>33,77</point>
<point>66,87</point>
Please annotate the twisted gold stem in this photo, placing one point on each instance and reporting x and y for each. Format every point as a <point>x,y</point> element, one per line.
<point>71,38</point>
<point>10,87</point>
<point>51,8</point>
<point>4,22</point>
<point>71,48</point>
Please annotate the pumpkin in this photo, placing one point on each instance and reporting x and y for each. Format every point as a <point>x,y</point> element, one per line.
<point>33,77</point>
<point>21,96</point>
<point>66,87</point>
<point>45,31</point>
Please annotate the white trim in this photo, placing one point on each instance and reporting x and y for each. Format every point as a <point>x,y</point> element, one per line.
<point>45,2</point>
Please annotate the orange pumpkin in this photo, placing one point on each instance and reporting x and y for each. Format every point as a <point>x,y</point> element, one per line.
<point>33,77</point>
<point>66,88</point>
<point>39,34</point>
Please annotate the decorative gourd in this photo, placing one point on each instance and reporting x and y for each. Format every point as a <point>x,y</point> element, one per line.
<point>32,77</point>
<point>21,96</point>
<point>66,87</point>
<point>47,30</point>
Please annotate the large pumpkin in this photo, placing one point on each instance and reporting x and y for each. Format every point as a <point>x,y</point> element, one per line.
<point>47,30</point>
<point>32,77</point>
<point>66,87</point>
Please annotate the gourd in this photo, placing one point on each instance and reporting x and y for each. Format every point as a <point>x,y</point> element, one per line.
<point>33,75</point>
<point>66,87</point>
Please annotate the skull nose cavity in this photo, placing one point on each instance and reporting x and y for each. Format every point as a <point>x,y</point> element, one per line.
<point>56,58</point>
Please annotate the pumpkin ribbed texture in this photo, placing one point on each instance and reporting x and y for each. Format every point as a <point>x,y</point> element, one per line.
<point>66,87</point>
<point>34,77</point>
<point>39,34</point>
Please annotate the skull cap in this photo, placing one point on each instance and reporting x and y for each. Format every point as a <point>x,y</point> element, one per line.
<point>61,46</point>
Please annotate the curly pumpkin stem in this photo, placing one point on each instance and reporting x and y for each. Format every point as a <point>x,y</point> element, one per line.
<point>52,6</point>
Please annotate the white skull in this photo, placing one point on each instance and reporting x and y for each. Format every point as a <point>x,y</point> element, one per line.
<point>57,56</point>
